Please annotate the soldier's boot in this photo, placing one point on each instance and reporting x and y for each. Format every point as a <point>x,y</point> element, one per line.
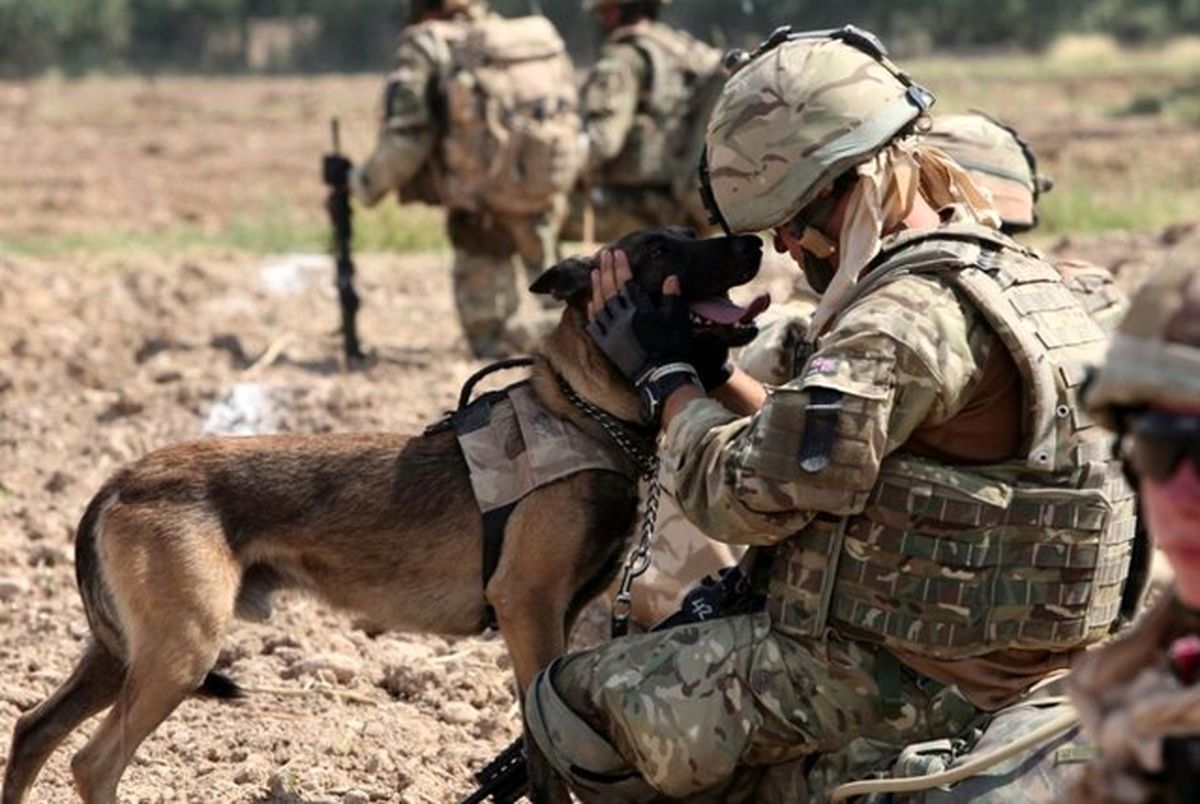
<point>592,767</point>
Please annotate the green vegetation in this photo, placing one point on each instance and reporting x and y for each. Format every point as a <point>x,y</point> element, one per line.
<point>275,228</point>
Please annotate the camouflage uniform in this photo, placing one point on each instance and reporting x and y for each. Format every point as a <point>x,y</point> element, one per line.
<point>496,253</point>
<point>1130,693</point>
<point>638,101</point>
<point>877,557</point>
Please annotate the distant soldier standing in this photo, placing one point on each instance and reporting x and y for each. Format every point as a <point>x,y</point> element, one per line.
<point>645,104</point>
<point>480,116</point>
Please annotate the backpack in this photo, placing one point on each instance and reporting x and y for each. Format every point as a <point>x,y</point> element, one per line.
<point>512,130</point>
<point>667,138</point>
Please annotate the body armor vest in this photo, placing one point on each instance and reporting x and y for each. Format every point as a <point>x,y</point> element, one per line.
<point>672,107</point>
<point>953,561</point>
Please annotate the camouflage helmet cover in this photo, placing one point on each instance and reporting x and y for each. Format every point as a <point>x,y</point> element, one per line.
<point>1155,354</point>
<point>592,5</point>
<point>802,110</point>
<point>998,159</point>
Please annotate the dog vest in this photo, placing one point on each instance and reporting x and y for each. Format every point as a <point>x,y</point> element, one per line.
<point>952,561</point>
<point>514,446</point>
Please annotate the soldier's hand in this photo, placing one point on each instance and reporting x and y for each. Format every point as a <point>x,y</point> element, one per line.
<point>638,332</point>
<point>336,169</point>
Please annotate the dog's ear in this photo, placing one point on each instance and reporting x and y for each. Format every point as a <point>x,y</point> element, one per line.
<point>569,281</point>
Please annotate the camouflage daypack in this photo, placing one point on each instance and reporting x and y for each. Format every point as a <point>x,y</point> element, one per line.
<point>663,148</point>
<point>511,140</point>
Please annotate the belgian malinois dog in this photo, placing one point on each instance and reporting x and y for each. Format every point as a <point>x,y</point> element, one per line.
<point>384,526</point>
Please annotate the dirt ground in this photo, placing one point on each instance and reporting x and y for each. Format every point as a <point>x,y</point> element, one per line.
<point>105,355</point>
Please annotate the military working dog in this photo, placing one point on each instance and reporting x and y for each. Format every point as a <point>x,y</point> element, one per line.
<point>385,526</point>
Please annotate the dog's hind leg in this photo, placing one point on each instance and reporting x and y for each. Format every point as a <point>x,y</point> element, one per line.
<point>174,587</point>
<point>92,687</point>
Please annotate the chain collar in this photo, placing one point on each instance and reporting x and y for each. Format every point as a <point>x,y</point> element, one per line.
<point>632,443</point>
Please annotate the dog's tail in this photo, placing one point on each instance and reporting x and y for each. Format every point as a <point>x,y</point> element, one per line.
<point>220,686</point>
<point>97,600</point>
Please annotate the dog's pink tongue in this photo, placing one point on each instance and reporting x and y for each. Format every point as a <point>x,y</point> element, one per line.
<point>724,311</point>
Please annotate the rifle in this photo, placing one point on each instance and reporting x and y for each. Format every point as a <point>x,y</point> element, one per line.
<point>505,779</point>
<point>336,173</point>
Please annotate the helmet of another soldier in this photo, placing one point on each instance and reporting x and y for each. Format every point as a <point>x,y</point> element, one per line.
<point>998,159</point>
<point>1154,357</point>
<point>799,112</point>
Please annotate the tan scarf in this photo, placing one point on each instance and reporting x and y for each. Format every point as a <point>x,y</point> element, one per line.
<point>883,197</point>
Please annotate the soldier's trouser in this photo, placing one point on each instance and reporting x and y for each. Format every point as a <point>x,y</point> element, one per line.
<point>700,712</point>
<point>496,258</point>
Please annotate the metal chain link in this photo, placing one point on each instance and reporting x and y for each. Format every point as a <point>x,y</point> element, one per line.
<point>647,463</point>
<point>639,558</point>
<point>645,460</point>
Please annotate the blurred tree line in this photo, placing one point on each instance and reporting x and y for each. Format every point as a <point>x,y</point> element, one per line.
<point>320,35</point>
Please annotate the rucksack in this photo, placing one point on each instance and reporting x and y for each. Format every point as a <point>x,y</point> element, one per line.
<point>667,138</point>
<point>512,130</point>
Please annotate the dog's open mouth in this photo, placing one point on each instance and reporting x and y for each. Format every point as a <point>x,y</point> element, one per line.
<point>721,311</point>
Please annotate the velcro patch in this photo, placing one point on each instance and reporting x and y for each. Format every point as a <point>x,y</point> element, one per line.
<point>822,366</point>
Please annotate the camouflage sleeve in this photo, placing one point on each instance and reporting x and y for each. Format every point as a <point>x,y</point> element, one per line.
<point>610,101</point>
<point>902,357</point>
<point>409,129</point>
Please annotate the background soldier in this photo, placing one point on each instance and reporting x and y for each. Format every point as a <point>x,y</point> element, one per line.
<point>1140,690</point>
<point>926,458</point>
<point>480,116</point>
<point>645,104</point>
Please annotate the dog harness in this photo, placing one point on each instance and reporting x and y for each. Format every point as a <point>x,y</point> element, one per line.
<point>514,446</point>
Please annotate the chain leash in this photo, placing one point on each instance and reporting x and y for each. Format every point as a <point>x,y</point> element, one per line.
<point>639,558</point>
<point>648,468</point>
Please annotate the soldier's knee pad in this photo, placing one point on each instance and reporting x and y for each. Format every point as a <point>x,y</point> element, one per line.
<point>584,758</point>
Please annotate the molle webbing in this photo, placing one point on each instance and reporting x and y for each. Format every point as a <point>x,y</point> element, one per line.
<point>953,562</point>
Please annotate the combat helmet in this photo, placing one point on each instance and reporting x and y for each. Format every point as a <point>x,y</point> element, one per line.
<point>1155,354</point>
<point>999,159</point>
<point>796,114</point>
